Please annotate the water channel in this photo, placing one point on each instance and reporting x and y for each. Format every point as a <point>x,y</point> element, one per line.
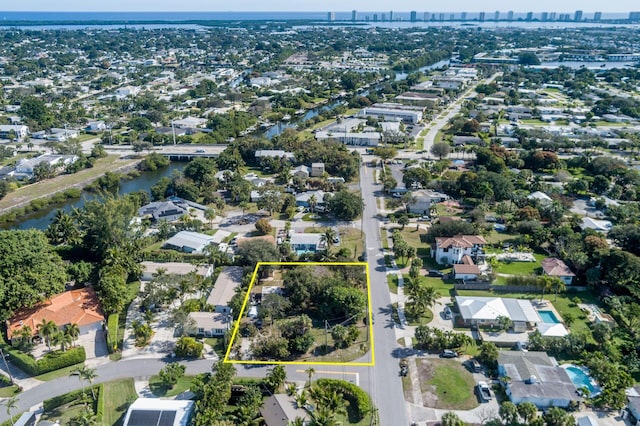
<point>144,182</point>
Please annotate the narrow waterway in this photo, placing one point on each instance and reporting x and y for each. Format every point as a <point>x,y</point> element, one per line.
<point>145,181</point>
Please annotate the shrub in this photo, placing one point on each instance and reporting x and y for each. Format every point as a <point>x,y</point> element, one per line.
<point>112,330</point>
<point>75,396</point>
<point>187,347</point>
<point>358,399</point>
<point>263,226</point>
<point>59,359</point>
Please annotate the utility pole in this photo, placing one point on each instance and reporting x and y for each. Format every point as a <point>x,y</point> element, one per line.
<point>326,337</point>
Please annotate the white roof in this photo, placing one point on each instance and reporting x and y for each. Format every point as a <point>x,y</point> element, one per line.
<point>587,421</point>
<point>225,286</point>
<point>539,196</point>
<point>598,225</point>
<point>490,308</point>
<point>219,236</point>
<point>193,240</point>
<point>177,268</point>
<point>552,330</point>
<point>305,239</point>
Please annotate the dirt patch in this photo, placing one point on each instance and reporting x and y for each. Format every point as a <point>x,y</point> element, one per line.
<point>425,373</point>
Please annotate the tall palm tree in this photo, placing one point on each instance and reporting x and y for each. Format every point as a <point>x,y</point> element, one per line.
<point>423,297</point>
<point>310,372</point>
<point>73,330</point>
<point>313,202</point>
<point>62,339</point>
<point>210,214</point>
<point>11,404</point>
<point>328,236</point>
<point>89,375</point>
<point>79,371</point>
<point>47,329</point>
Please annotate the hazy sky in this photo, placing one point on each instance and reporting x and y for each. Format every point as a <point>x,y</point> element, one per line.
<point>320,5</point>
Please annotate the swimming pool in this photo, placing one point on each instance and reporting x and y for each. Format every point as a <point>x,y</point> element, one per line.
<point>581,379</point>
<point>549,317</point>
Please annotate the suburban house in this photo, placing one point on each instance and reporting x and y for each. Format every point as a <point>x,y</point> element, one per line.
<point>155,411</point>
<point>281,410</point>
<point>150,269</point>
<point>188,242</point>
<point>224,288</point>
<point>96,126</point>
<point>213,324</point>
<point>603,226</point>
<point>19,130</point>
<point>79,306</point>
<point>486,311</point>
<point>208,324</point>
<point>424,199</point>
<point>306,243</point>
<point>541,197</point>
<point>302,172</point>
<point>317,169</point>
<point>555,267</point>
<point>190,123</point>
<point>26,166</point>
<point>450,250</point>
<point>537,378</point>
<point>163,210</point>
<point>467,270</point>
<point>302,199</point>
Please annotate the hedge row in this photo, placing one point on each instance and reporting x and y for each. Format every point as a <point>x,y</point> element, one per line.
<point>112,330</point>
<point>358,399</point>
<point>66,398</point>
<point>51,361</point>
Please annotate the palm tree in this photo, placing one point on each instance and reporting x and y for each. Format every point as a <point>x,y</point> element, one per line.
<point>310,372</point>
<point>322,417</point>
<point>11,404</point>
<point>328,236</point>
<point>302,399</point>
<point>47,329</point>
<point>558,286</point>
<point>210,214</point>
<point>298,421</point>
<point>545,284</point>
<point>89,375</point>
<point>86,418</point>
<point>79,371</point>
<point>62,339</point>
<point>423,297</point>
<point>313,201</point>
<point>73,330</point>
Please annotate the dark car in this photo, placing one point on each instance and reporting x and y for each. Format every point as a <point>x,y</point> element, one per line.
<point>363,257</point>
<point>435,273</point>
<point>448,354</point>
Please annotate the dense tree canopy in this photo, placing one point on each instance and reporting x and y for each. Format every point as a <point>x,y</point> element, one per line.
<point>30,270</point>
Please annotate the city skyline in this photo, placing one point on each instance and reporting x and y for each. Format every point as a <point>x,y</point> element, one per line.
<point>614,6</point>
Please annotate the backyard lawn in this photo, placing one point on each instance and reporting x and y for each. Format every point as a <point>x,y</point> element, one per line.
<point>159,390</point>
<point>520,268</point>
<point>450,383</point>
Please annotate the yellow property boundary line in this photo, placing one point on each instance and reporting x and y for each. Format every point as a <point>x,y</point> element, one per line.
<point>246,300</point>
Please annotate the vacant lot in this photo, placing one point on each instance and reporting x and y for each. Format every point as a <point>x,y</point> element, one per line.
<point>446,384</point>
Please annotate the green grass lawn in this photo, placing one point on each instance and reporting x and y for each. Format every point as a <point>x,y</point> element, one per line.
<point>8,391</point>
<point>412,320</point>
<point>64,414</point>
<point>520,268</point>
<point>118,395</point>
<point>392,280</point>
<point>413,237</point>
<point>217,343</point>
<point>156,386</point>
<point>500,237</point>
<point>383,237</point>
<point>132,291</point>
<point>438,283</point>
<point>453,383</point>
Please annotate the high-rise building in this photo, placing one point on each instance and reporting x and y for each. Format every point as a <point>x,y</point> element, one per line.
<point>496,15</point>
<point>634,16</point>
<point>510,15</point>
<point>331,16</point>
<point>577,16</point>
<point>441,17</point>
<point>597,16</point>
<point>452,16</point>
<point>383,17</point>
<point>463,16</point>
<point>391,15</point>
<point>375,17</point>
<point>544,16</point>
<point>425,16</point>
<point>414,16</point>
<point>481,17</point>
<point>529,16</point>
<point>354,15</point>
<point>366,18</point>
<point>552,16</point>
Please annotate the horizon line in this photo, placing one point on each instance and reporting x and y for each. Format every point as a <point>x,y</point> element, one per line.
<point>307,11</point>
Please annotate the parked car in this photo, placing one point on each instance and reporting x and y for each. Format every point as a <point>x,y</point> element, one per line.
<point>448,354</point>
<point>484,391</point>
<point>474,366</point>
<point>447,313</point>
<point>435,273</point>
<point>424,219</point>
<point>200,151</point>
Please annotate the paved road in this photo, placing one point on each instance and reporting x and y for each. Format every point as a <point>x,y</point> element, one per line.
<point>386,386</point>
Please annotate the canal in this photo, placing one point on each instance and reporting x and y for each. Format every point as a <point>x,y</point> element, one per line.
<point>144,182</point>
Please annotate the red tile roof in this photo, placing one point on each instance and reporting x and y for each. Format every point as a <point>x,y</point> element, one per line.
<point>556,267</point>
<point>71,307</point>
